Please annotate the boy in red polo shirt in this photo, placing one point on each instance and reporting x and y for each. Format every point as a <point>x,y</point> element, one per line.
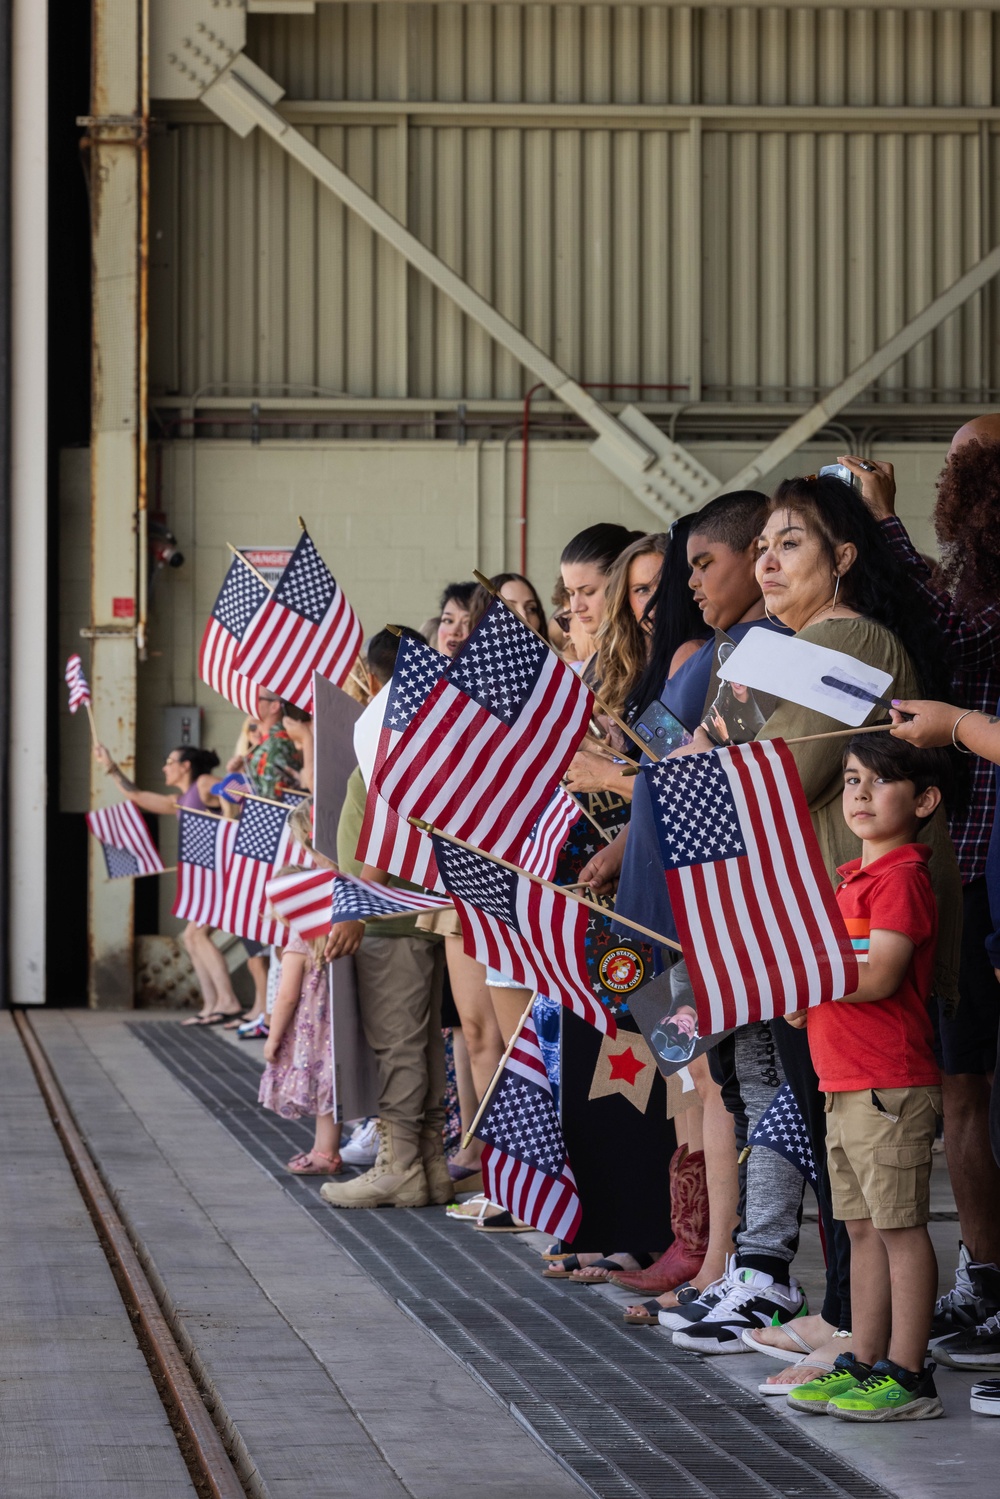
<point>874,1054</point>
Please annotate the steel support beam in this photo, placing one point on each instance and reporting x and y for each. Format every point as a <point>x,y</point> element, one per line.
<point>662,474</point>
<point>883,359</point>
<point>116,130</point>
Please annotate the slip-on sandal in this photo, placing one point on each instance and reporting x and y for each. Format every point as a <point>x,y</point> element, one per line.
<point>783,1355</point>
<point>500,1223</point>
<point>643,1314</point>
<point>783,1389</point>
<point>606,1268</point>
<point>562,1269</point>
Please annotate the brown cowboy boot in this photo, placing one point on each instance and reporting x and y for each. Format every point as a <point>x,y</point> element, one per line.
<point>689,1220</point>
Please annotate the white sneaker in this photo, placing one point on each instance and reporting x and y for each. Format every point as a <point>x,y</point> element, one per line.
<point>752,1299</point>
<point>362,1148</point>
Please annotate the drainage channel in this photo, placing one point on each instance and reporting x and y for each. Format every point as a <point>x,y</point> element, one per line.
<point>626,1413</point>
<point>208,1463</point>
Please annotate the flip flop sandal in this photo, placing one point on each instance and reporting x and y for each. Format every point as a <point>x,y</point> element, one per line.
<point>194,1020</point>
<point>606,1268</point>
<point>783,1355</point>
<point>562,1269</point>
<point>469,1209</point>
<point>554,1254</point>
<point>643,1314</point>
<point>220,1017</point>
<point>306,1164</point>
<point>501,1223</point>
<point>782,1389</point>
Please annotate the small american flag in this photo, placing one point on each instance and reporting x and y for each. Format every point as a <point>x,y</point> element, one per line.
<point>79,692</point>
<point>525,1168</point>
<point>540,854</point>
<point>781,1127</point>
<point>204,851</point>
<point>305,625</point>
<point>263,844</point>
<point>124,837</point>
<point>483,755</point>
<point>387,841</point>
<point>529,931</point>
<point>293,798</point>
<point>303,901</point>
<point>358,900</point>
<point>754,906</point>
<point>240,597</point>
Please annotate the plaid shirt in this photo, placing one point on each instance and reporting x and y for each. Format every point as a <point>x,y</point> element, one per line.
<point>975,683</point>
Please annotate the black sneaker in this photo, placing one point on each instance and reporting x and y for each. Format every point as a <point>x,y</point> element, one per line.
<point>974,1298</point>
<point>973,1348</point>
<point>985,1397</point>
<point>692,1306</point>
<point>752,1299</point>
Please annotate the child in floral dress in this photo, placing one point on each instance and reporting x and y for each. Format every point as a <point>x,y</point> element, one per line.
<point>298,1078</point>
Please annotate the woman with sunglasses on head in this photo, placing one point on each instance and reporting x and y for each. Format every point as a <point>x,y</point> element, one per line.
<point>188,773</point>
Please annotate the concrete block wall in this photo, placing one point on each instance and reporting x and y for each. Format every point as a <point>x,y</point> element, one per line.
<point>395,521</point>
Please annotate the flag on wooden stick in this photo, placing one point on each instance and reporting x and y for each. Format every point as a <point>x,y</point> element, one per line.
<point>359,900</point>
<point>481,758</point>
<point>204,852</point>
<point>79,692</point>
<point>387,841</point>
<point>544,844</point>
<point>305,625</point>
<point>525,1168</point>
<point>529,931</point>
<point>240,597</point>
<point>263,843</point>
<point>754,906</point>
<point>124,837</point>
<point>304,901</point>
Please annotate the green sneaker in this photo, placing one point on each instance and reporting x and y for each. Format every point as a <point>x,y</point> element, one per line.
<point>814,1397</point>
<point>881,1397</point>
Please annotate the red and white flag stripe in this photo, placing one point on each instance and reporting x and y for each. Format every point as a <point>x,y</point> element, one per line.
<point>201,885</point>
<point>217,668</point>
<point>304,901</point>
<point>79,692</point>
<point>122,827</point>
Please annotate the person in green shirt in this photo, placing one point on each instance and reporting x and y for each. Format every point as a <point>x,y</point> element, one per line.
<point>270,763</point>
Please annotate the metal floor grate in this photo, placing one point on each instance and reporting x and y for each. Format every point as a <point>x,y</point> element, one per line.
<point>629,1415</point>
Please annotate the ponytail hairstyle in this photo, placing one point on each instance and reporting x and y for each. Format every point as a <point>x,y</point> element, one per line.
<point>201,761</point>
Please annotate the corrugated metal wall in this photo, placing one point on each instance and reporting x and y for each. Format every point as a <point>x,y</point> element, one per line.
<point>710,198</point>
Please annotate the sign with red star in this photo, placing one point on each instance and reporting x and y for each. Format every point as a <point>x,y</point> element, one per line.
<point>626,1066</point>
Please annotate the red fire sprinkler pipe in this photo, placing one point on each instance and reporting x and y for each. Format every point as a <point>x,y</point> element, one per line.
<point>607,385</point>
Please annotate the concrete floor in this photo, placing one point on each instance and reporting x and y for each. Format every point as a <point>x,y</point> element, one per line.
<point>329,1387</point>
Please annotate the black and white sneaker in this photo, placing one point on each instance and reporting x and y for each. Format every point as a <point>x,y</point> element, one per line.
<point>985,1397</point>
<point>973,1347</point>
<point>752,1299</point>
<point>974,1298</point>
<point>691,1309</point>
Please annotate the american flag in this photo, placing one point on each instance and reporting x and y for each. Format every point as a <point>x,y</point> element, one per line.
<point>387,841</point>
<point>483,755</point>
<point>293,798</point>
<point>781,1127</point>
<point>543,845</point>
<point>753,903</point>
<point>303,901</point>
<point>124,837</point>
<point>305,625</point>
<point>263,844</point>
<point>79,692</point>
<point>358,900</point>
<point>525,1168</point>
<point>240,597</point>
<point>529,931</point>
<point>204,852</point>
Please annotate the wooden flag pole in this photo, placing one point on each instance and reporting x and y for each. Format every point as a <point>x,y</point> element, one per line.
<point>197,812</point>
<point>303,524</point>
<point>172,869</point>
<point>252,796</point>
<point>93,727</point>
<point>601,707</point>
<point>495,1079</point>
<point>259,575</point>
<point>428,827</point>
<point>872,728</point>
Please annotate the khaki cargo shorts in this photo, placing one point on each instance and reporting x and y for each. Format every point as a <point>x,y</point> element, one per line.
<point>878,1147</point>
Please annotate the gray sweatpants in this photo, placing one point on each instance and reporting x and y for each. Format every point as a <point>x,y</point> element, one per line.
<point>773,1186</point>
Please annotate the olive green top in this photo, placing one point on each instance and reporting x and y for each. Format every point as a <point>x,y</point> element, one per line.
<point>820,767</point>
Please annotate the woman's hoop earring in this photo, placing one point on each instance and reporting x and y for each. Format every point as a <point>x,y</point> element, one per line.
<point>835,592</point>
<point>769,616</point>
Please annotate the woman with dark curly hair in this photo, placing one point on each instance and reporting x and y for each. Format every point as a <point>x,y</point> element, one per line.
<point>962,598</point>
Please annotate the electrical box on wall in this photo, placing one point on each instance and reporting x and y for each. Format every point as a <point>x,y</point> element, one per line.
<point>181,726</point>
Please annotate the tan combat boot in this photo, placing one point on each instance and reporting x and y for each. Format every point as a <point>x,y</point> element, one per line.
<point>440,1186</point>
<point>390,1183</point>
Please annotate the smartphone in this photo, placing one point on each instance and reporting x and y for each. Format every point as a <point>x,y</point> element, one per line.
<point>659,728</point>
<point>841,471</point>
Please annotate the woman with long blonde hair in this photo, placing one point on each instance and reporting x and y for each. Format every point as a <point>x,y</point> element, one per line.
<point>625,633</point>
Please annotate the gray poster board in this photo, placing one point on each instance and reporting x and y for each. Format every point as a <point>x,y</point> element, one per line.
<point>334,717</point>
<point>355,1080</point>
